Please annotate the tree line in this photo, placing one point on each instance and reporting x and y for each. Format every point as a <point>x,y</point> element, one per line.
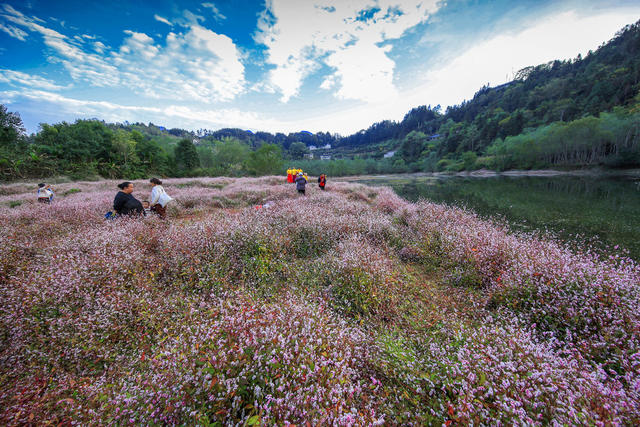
<point>90,149</point>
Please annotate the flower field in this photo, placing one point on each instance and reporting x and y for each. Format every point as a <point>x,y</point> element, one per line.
<point>345,307</point>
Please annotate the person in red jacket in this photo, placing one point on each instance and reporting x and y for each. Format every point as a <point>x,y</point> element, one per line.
<point>322,181</point>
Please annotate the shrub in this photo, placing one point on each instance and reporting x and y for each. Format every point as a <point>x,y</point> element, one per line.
<point>71,191</point>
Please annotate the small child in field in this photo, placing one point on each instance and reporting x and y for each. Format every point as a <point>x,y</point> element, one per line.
<point>146,207</point>
<point>45,193</point>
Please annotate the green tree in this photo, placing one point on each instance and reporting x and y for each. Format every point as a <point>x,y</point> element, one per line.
<point>297,150</point>
<point>231,157</point>
<point>186,156</point>
<point>124,148</point>
<point>266,160</point>
<point>206,156</point>
<point>151,154</point>
<point>82,150</point>
<point>82,142</point>
<point>11,128</point>
<point>469,159</point>
<point>412,146</point>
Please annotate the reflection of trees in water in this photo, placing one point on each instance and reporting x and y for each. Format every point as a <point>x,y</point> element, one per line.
<point>589,187</point>
<point>603,189</point>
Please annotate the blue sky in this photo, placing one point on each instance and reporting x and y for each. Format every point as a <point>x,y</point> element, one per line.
<point>279,65</point>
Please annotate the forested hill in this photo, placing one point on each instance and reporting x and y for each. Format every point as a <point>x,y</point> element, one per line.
<point>559,91</point>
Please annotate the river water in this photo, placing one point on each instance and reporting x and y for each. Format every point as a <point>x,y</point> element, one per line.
<point>600,210</point>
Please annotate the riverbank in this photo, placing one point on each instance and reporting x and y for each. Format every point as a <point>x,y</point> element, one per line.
<point>349,306</point>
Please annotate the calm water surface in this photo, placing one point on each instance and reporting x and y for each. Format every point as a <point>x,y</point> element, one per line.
<point>600,211</point>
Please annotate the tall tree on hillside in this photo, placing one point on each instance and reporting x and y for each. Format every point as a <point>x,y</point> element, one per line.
<point>297,150</point>
<point>186,155</point>
<point>412,146</point>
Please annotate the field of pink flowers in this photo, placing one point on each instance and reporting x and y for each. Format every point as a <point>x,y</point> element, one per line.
<point>254,306</point>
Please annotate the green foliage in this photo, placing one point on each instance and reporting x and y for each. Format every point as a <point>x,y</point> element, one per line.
<point>357,294</point>
<point>464,275</point>
<point>71,191</point>
<point>11,128</point>
<point>186,156</point>
<point>266,160</point>
<point>297,150</point>
<point>307,242</point>
<point>230,157</point>
<point>469,159</point>
<point>612,139</point>
<point>151,154</point>
<point>206,156</point>
<point>412,146</point>
<point>81,142</point>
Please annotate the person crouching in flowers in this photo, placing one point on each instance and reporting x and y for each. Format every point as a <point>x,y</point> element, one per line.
<point>45,194</point>
<point>124,203</point>
<point>159,198</point>
<point>301,182</point>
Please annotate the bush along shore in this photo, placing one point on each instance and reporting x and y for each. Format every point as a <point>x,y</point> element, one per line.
<point>348,307</point>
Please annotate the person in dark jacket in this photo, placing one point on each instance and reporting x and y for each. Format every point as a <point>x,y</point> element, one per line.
<point>124,203</point>
<point>322,181</point>
<point>301,182</point>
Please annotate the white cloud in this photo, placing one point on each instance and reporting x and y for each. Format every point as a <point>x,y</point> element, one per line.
<point>328,83</point>
<point>347,35</point>
<point>24,79</point>
<point>358,80</point>
<point>196,64</point>
<point>559,36</point>
<point>170,116</point>
<point>99,47</point>
<point>14,32</point>
<point>216,13</point>
<point>189,18</point>
<point>81,65</point>
<point>163,20</point>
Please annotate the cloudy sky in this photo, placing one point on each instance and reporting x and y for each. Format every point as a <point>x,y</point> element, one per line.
<point>279,65</point>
